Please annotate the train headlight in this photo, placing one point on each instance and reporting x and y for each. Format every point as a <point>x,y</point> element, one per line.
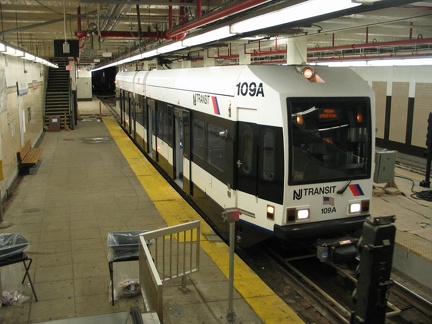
<point>359,207</point>
<point>303,214</point>
<point>270,212</point>
<point>355,208</point>
<point>297,214</point>
<point>308,72</point>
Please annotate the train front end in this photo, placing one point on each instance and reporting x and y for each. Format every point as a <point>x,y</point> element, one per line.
<point>329,154</point>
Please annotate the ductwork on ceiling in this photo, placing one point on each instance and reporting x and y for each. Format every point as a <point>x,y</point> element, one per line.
<point>123,28</point>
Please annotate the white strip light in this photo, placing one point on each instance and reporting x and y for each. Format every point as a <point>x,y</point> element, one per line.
<point>12,51</point>
<point>211,36</point>
<point>301,11</point>
<point>387,62</point>
<point>170,48</point>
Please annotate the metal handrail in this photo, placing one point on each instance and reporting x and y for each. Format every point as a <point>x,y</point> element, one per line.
<point>166,254</point>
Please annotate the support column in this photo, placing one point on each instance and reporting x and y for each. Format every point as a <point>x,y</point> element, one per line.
<point>297,50</point>
<point>186,64</point>
<point>209,61</point>
<point>244,58</point>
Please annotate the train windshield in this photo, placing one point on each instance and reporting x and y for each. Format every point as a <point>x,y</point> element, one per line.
<point>329,139</point>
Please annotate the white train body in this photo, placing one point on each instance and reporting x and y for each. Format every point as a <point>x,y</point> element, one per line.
<point>292,154</point>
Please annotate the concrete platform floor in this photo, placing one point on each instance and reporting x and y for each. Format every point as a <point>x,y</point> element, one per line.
<point>84,189</point>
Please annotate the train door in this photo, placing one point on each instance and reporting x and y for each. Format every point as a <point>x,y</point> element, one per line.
<point>151,134</point>
<point>247,161</point>
<point>134,116</point>
<point>131,107</point>
<point>178,148</point>
<point>187,168</point>
<point>122,108</point>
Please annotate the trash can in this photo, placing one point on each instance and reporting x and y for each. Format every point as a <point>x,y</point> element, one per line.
<point>54,124</point>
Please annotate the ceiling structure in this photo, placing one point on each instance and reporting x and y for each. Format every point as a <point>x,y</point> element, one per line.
<point>110,29</point>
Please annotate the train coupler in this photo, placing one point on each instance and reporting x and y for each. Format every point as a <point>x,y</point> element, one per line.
<point>336,249</point>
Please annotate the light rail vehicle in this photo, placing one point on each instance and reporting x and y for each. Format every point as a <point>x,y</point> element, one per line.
<point>290,147</point>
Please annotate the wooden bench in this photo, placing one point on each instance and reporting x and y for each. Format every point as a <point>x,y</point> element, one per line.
<point>28,157</point>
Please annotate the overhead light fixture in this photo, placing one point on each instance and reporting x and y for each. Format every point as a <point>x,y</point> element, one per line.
<point>149,54</point>
<point>12,51</point>
<point>211,36</point>
<point>301,11</point>
<point>170,48</point>
<point>29,57</point>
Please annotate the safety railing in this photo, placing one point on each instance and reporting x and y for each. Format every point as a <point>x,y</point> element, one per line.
<point>173,252</point>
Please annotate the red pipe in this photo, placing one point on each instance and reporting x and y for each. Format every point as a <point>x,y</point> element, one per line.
<point>364,57</point>
<point>264,53</point>
<point>222,13</point>
<point>353,46</point>
<point>170,16</point>
<point>79,17</point>
<point>182,13</point>
<point>230,56</point>
<point>198,9</point>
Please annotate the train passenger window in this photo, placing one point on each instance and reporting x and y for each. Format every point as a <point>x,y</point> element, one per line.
<point>268,144</point>
<point>246,149</point>
<point>139,109</point>
<point>216,147</point>
<point>198,137</point>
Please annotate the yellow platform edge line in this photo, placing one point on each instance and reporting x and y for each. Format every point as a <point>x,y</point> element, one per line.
<point>267,305</point>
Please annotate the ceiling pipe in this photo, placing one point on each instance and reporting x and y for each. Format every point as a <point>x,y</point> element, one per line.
<point>170,16</point>
<point>368,45</point>
<point>79,17</point>
<point>122,34</point>
<point>198,9</point>
<point>230,55</point>
<point>259,52</point>
<point>364,57</point>
<point>182,13</point>
<point>212,17</point>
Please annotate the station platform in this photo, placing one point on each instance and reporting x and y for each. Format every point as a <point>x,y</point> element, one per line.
<point>93,181</point>
<point>413,247</point>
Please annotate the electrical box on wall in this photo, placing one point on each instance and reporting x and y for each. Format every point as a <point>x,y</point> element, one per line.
<point>384,166</point>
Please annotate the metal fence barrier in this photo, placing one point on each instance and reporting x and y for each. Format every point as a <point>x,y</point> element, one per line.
<point>166,254</point>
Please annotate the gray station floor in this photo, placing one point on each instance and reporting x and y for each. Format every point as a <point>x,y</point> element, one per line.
<point>83,190</point>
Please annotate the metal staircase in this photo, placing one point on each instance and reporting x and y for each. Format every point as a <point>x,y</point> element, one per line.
<point>58,99</point>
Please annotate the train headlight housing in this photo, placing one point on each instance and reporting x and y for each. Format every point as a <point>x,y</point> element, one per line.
<point>270,212</point>
<point>303,214</point>
<point>359,207</point>
<point>297,214</point>
<point>355,208</point>
<point>308,72</point>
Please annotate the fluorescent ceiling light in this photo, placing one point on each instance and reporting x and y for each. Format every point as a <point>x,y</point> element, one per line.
<point>301,11</point>
<point>2,47</point>
<point>29,57</point>
<point>170,48</point>
<point>211,36</point>
<point>149,54</point>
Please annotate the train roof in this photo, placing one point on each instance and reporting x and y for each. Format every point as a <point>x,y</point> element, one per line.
<point>286,80</point>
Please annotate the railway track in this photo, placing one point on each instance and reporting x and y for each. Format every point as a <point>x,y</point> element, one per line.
<point>328,288</point>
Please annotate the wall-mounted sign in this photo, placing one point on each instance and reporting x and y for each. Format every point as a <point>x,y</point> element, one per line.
<point>22,88</point>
